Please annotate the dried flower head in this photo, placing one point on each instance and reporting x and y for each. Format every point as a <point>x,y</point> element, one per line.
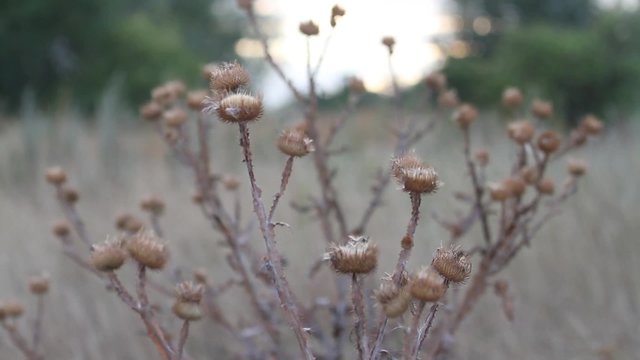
<point>498,192</point>
<point>549,141</point>
<point>512,98</point>
<point>414,175</point>
<point>356,85</point>
<point>436,81</point>
<point>151,111</point>
<point>449,99</point>
<point>176,87</point>
<point>129,223</point>
<point>109,255</point>
<point>530,174</point>
<point>152,204</point>
<point>546,186</point>
<point>245,4</point>
<point>358,256</point>
<point>39,285</point>
<point>237,108</point>
<point>12,309</point>
<point>389,42</point>
<point>591,125</point>
<point>148,250</point>
<point>521,131</point>
<point>228,77</point>
<point>452,263</point>
<point>427,285</point>
<point>70,195</point>
<point>482,156</point>
<point>175,117</point>
<point>309,28</point>
<point>465,115</point>
<point>394,299</point>
<point>187,305</point>
<point>294,142</point>
<point>515,186</point>
<point>200,276</point>
<point>61,229</point>
<point>55,175</point>
<point>196,99</point>
<point>163,95</point>
<point>336,12</point>
<point>576,167</point>
<point>542,109</point>
<point>578,137</point>
<point>230,182</point>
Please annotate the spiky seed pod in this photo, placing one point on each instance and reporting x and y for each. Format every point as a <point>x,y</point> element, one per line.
<point>394,299</point>
<point>452,264</point>
<point>414,175</point>
<point>521,131</point>
<point>546,186</point>
<point>482,156</point>
<point>591,125</point>
<point>147,250</point>
<point>389,42</point>
<point>576,167</point>
<point>549,141</point>
<point>237,108</point>
<point>175,117</point>
<point>70,195</point>
<point>309,28</point>
<point>187,305</point>
<point>515,185</point>
<point>196,99</point>
<point>61,229</point>
<point>228,77</point>
<point>542,109</point>
<point>200,276</point>
<point>358,256</point>
<point>405,161</point>
<point>39,285</point>
<point>336,12</point>
<point>530,175</point>
<point>294,142</point>
<point>230,182</point>
<point>512,98</point>
<point>153,205</point>
<point>436,81</point>
<point>465,115</point>
<point>356,85</point>
<point>151,111</point>
<point>12,309</point>
<point>129,223</point>
<point>427,285</point>
<point>498,192</point>
<point>449,99</point>
<point>109,255</point>
<point>55,175</point>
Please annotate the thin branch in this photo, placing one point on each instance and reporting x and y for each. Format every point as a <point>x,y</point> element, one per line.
<point>477,187</point>
<point>286,174</point>
<point>410,338</point>
<point>37,325</point>
<point>360,322</point>
<point>184,333</point>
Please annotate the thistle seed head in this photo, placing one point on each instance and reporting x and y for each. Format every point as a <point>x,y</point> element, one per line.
<point>187,305</point>
<point>498,192</point>
<point>436,81</point>
<point>11,309</point>
<point>465,115</point>
<point>309,28</point>
<point>61,229</point>
<point>521,131</point>
<point>427,285</point>
<point>175,117</point>
<point>39,285</point>
<point>109,255</point>
<point>55,175</point>
<point>394,299</point>
<point>452,263</point>
<point>358,256</point>
<point>414,175</point>
<point>515,186</point>
<point>389,42</point>
<point>529,174</point>
<point>512,98</point>
<point>576,167</point>
<point>230,182</point>
<point>591,125</point>
<point>146,249</point>
<point>294,142</point>
<point>237,108</point>
<point>151,111</point>
<point>153,205</point>
<point>542,109</point>
<point>70,195</point>
<point>196,99</point>
<point>549,142</point>
<point>228,78</point>
<point>546,186</point>
<point>128,223</point>
<point>449,99</point>
<point>336,12</point>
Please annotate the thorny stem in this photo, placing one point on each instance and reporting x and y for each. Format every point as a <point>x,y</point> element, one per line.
<point>360,322</point>
<point>408,348</point>
<point>184,333</point>
<point>37,326</point>
<point>477,187</point>
<point>273,257</point>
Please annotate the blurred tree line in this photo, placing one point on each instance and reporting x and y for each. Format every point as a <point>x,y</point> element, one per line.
<point>74,48</point>
<point>584,58</point>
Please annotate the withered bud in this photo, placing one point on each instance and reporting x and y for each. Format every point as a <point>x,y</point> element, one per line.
<point>465,115</point>
<point>200,276</point>
<point>309,28</point>
<point>591,125</point>
<point>39,285</point>
<point>576,167</point>
<point>245,4</point>
<point>151,111</point>
<point>336,12</point>
<point>152,204</point>
<point>147,250</point>
<point>12,309</point>
<point>436,81</point>
<point>61,229</point>
<point>529,174</point>
<point>230,182</point>
<point>358,256</point>
<point>389,42</point>
<point>175,117</point>
<point>129,223</point>
<point>163,95</point>
<point>109,255</point>
<point>195,99</point>
<point>228,77</point>
<point>356,85</point>
<point>237,108</point>
<point>542,109</point>
<point>187,305</point>
<point>55,175</point>
<point>427,285</point>
<point>512,98</point>
<point>70,195</point>
<point>578,137</point>
<point>294,142</point>
<point>521,131</point>
<point>414,175</point>
<point>452,263</point>
<point>498,192</point>
<point>482,156</point>
<point>176,87</point>
<point>394,299</point>
<point>546,186</point>
<point>449,99</point>
<point>515,185</point>
<point>549,141</point>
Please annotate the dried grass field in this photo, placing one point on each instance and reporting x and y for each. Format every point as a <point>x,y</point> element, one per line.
<point>576,289</point>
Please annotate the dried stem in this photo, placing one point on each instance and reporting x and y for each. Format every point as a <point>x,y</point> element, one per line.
<point>286,174</point>
<point>428,322</point>
<point>20,342</point>
<point>478,187</point>
<point>410,338</point>
<point>184,333</point>
<point>360,322</point>
<point>37,325</point>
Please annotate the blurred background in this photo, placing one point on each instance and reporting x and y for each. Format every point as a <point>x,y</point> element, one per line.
<point>73,74</point>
